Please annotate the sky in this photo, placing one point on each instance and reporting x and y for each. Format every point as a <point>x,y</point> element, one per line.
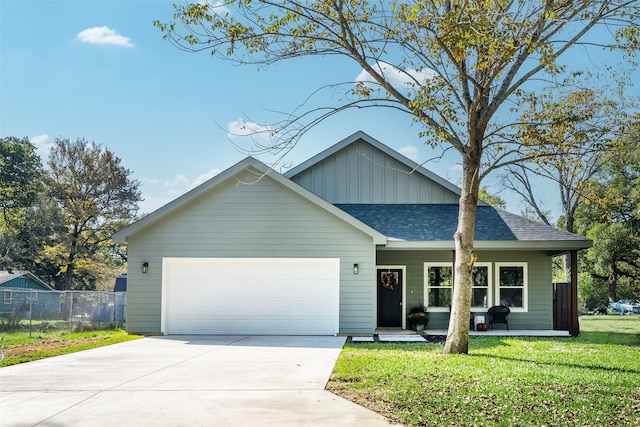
<point>100,70</point>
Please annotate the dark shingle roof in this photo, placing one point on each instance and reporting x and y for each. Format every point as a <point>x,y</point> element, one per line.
<point>438,222</point>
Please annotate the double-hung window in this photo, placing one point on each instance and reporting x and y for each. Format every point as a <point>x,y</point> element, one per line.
<point>7,296</point>
<point>481,286</point>
<point>511,286</point>
<point>438,282</point>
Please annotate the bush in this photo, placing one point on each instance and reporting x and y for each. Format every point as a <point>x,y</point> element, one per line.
<point>10,322</point>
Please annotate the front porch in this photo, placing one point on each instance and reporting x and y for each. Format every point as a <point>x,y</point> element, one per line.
<point>405,335</point>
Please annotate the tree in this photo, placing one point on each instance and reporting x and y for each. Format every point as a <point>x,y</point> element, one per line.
<point>610,215</point>
<point>492,200</point>
<point>20,186</point>
<point>20,174</point>
<point>96,197</point>
<point>461,66</point>
<point>588,122</point>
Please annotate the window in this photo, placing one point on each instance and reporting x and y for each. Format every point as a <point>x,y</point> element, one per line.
<point>438,283</point>
<point>512,285</point>
<point>7,296</point>
<point>32,298</point>
<point>481,285</point>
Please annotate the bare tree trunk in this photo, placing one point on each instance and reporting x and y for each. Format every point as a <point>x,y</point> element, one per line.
<point>458,333</point>
<point>71,266</point>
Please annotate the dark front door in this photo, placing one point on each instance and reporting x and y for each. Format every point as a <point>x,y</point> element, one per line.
<point>389,285</point>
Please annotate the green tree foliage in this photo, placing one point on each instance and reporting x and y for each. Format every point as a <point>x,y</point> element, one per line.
<point>96,198</point>
<point>491,199</point>
<point>21,188</point>
<point>610,216</point>
<point>458,68</point>
<point>20,174</point>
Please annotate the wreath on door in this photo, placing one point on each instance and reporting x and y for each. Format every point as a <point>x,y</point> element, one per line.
<point>389,281</point>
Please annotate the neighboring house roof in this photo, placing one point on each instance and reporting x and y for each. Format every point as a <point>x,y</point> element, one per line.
<point>8,276</point>
<point>432,223</point>
<point>380,146</point>
<point>259,170</point>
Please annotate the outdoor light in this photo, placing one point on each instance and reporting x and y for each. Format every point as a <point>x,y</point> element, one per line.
<point>355,268</point>
<point>145,267</point>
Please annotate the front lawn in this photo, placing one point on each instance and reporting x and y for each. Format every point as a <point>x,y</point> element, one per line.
<point>590,380</point>
<point>21,346</point>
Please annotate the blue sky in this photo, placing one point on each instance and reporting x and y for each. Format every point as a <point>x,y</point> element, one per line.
<point>101,71</point>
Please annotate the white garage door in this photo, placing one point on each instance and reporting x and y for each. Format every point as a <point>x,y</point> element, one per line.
<point>258,296</point>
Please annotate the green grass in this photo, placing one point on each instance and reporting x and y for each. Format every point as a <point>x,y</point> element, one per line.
<point>589,380</point>
<point>20,346</point>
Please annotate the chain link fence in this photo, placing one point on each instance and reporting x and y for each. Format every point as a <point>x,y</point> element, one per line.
<point>72,310</point>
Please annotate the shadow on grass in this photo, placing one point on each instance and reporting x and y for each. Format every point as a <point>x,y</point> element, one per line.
<point>557,364</point>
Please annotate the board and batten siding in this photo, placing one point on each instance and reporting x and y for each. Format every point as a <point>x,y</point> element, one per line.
<point>540,290</point>
<point>21,283</point>
<point>263,219</point>
<point>361,173</point>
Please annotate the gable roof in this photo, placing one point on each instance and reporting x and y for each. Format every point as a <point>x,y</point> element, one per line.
<point>318,158</point>
<point>6,276</point>
<point>260,170</point>
<point>434,225</point>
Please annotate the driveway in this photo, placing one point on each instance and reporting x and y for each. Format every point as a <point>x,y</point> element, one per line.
<point>183,381</point>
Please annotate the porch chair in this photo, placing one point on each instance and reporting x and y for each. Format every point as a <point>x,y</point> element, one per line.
<point>499,314</point>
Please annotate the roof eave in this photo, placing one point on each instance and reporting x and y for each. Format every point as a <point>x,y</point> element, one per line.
<point>553,247</point>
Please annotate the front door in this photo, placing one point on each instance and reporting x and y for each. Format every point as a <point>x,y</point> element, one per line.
<point>389,285</point>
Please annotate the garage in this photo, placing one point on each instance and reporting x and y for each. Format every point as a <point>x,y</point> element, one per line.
<point>250,296</point>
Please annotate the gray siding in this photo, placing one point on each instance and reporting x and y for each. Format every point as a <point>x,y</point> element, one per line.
<point>540,291</point>
<point>361,173</point>
<point>259,220</point>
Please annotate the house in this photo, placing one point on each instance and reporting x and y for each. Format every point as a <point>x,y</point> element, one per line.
<point>346,242</point>
<point>25,293</point>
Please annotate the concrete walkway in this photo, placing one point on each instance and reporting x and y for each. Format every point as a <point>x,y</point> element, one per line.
<point>183,381</point>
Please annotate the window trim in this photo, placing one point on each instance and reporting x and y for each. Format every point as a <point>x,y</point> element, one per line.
<point>426,286</point>
<point>10,299</point>
<point>525,285</point>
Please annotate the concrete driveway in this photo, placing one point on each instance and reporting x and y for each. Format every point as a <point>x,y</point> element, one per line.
<point>183,381</point>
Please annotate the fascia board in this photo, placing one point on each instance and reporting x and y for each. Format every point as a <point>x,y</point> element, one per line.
<point>550,246</point>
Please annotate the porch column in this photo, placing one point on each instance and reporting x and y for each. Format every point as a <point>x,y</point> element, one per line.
<point>574,329</point>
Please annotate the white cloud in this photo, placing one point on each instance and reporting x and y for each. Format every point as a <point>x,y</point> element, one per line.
<point>410,151</point>
<point>104,36</point>
<point>239,128</point>
<point>42,146</point>
<point>398,79</point>
<point>203,178</point>
<point>177,181</point>
<point>218,7</point>
<point>148,180</point>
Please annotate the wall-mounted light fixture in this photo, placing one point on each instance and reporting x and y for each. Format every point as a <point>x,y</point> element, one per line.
<point>145,267</point>
<point>355,268</point>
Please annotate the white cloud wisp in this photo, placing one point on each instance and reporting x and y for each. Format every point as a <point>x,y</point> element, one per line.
<point>104,36</point>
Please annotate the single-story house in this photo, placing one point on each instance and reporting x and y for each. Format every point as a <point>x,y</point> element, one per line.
<point>24,292</point>
<point>346,242</point>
